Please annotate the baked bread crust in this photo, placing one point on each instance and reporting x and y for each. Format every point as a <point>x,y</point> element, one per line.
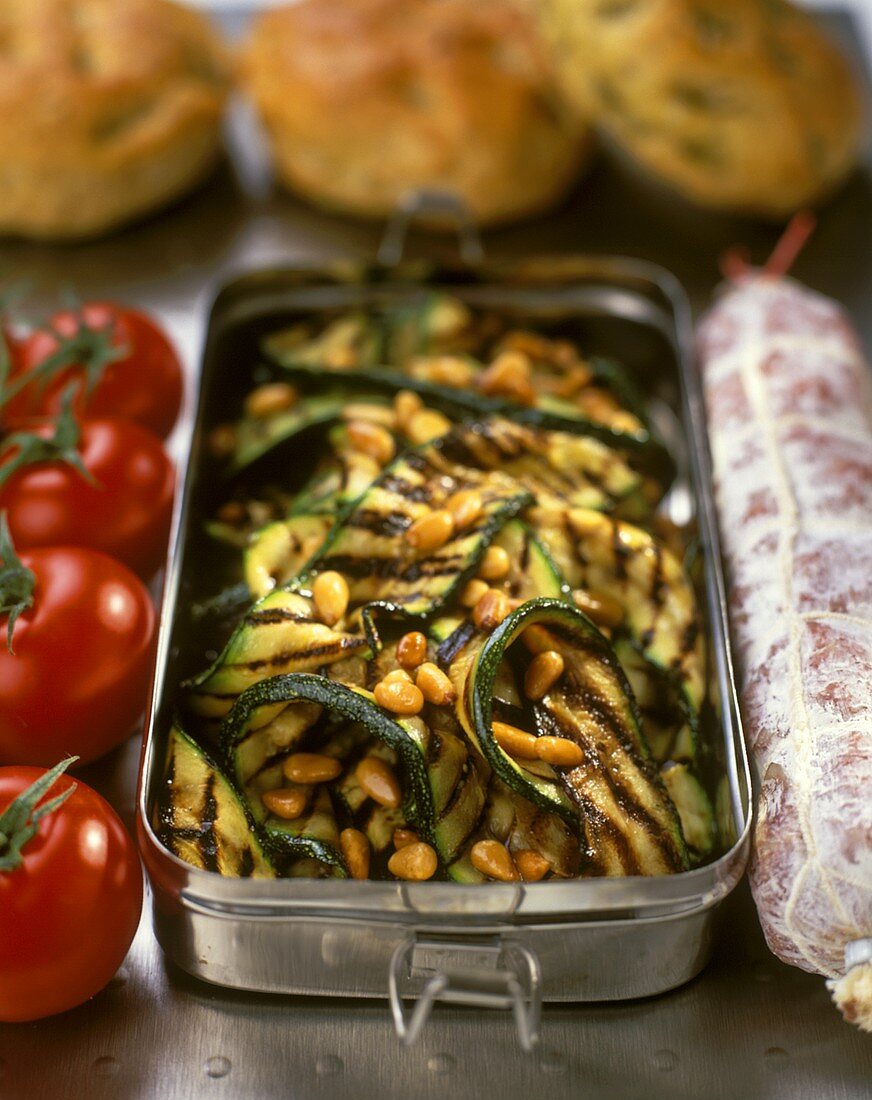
<point>743,105</point>
<point>108,109</point>
<point>366,100</point>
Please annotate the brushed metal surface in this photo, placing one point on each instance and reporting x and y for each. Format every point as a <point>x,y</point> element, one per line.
<point>748,1027</point>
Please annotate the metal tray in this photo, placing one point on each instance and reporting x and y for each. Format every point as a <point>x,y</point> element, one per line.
<point>499,945</point>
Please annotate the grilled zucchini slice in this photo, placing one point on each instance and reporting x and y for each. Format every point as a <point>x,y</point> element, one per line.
<point>382,568</point>
<point>557,468</point>
<point>280,634</point>
<point>627,821</point>
<point>607,555</point>
<point>694,807</point>
<point>279,551</point>
<point>201,818</point>
<point>352,705</point>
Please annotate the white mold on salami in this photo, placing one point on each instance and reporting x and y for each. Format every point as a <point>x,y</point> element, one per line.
<point>790,421</point>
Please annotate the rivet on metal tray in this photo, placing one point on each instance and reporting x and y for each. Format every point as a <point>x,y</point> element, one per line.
<point>329,1065</point>
<point>440,1064</point>
<point>217,1066</point>
<point>106,1066</point>
<point>665,1060</point>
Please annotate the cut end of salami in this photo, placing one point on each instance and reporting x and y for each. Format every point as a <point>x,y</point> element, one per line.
<point>852,995</point>
<point>790,421</point>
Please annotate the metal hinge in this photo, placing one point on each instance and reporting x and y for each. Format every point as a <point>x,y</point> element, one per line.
<point>480,973</point>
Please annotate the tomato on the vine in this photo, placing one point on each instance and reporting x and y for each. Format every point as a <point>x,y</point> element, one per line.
<point>70,893</point>
<point>108,486</point>
<point>123,361</point>
<point>81,629</point>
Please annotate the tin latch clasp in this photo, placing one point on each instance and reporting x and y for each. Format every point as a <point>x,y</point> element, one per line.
<point>484,972</point>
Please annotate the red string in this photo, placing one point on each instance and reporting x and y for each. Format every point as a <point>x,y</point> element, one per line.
<point>790,244</point>
<point>735,263</point>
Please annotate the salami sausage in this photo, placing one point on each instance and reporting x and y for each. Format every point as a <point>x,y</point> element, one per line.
<point>790,422</point>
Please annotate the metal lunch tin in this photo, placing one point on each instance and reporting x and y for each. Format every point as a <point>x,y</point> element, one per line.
<point>497,945</point>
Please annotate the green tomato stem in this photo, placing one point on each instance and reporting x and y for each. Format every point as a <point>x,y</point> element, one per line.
<point>20,820</point>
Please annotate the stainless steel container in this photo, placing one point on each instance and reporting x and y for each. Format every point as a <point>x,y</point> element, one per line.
<point>498,945</point>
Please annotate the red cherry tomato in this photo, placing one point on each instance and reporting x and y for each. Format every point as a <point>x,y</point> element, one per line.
<point>69,910</point>
<point>144,386</point>
<point>124,509</point>
<point>77,680</point>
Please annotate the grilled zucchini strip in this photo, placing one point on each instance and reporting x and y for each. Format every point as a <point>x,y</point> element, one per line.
<point>202,819</point>
<point>602,554</point>
<point>558,469</point>
<point>353,705</point>
<point>627,821</point>
<point>280,634</point>
<point>382,568</point>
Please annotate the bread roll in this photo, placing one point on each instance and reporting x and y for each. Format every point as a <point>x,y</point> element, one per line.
<point>366,100</point>
<point>108,109</point>
<point>743,106</point>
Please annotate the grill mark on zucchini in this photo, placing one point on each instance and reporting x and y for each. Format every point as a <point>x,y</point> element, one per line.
<point>391,568</point>
<point>586,698</point>
<point>289,655</point>
<point>270,616</point>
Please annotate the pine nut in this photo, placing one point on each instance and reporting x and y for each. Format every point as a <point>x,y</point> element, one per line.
<point>426,425</point>
<point>532,865</point>
<point>330,593</point>
<point>575,378</point>
<point>412,649</point>
<point>287,802</point>
<point>509,376</point>
<point>406,404</point>
<point>586,521</point>
<point>372,439</point>
<point>398,697</point>
<point>414,862</point>
<point>528,343</point>
<point>466,506</point>
<point>515,742</point>
<point>542,674</point>
<point>432,531</point>
<point>435,685</point>
<point>560,751</point>
<point>373,414</point>
<point>268,400</point>
<point>404,837</point>
<point>537,639</point>
<point>222,441</point>
<point>491,609</point>
<point>472,592</point>
<point>602,608</point>
<point>355,851</point>
<point>493,860</point>
<point>233,513</point>
<point>495,564</point>
<point>341,358</point>
<point>378,782</point>
<point>444,370</point>
<point>311,767</point>
<point>398,676</point>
